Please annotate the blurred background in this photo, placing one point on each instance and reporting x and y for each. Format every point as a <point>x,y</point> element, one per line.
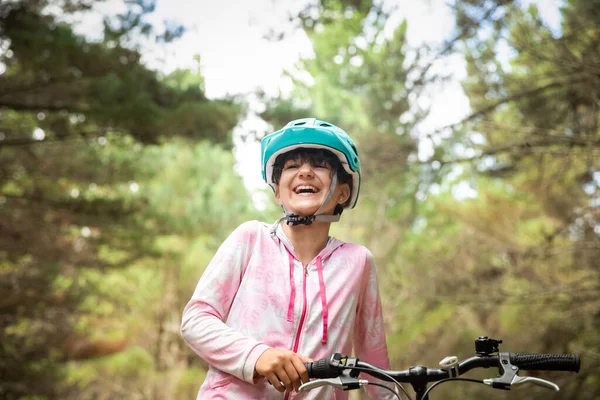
<point>129,136</point>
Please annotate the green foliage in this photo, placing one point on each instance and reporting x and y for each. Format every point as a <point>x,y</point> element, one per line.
<point>184,80</point>
<point>540,131</point>
<point>194,188</point>
<point>98,86</point>
<point>187,386</point>
<point>108,177</point>
<point>360,82</point>
<point>131,364</point>
<point>513,256</point>
<point>118,186</point>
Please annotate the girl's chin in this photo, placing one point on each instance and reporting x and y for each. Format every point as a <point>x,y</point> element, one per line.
<point>305,211</point>
<point>307,206</point>
<point>300,209</point>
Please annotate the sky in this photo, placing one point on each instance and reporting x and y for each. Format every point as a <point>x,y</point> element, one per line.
<point>229,36</point>
<point>230,33</point>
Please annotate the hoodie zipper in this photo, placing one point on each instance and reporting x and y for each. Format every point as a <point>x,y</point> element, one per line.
<point>302,317</point>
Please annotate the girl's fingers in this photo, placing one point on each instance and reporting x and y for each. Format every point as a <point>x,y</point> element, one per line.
<point>301,369</point>
<point>293,374</point>
<point>275,382</point>
<point>305,359</point>
<point>281,372</point>
<point>284,369</point>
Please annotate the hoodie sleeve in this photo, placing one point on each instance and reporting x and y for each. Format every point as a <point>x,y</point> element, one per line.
<point>202,325</point>
<point>369,332</point>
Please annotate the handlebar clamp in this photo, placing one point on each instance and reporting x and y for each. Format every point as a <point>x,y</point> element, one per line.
<point>508,374</point>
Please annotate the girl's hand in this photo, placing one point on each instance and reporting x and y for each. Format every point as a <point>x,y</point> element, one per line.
<point>283,368</point>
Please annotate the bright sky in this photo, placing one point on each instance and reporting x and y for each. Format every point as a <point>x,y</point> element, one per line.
<point>236,57</point>
<point>229,36</point>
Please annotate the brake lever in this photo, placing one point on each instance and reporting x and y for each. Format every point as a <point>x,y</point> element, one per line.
<point>509,377</point>
<point>335,382</point>
<point>518,380</point>
<point>343,382</point>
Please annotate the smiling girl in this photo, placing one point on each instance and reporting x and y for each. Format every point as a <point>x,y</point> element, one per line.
<point>276,296</point>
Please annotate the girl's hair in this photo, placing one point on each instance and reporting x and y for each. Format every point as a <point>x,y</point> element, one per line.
<point>314,157</point>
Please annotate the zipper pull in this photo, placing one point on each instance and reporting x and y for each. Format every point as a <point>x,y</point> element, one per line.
<point>305,270</point>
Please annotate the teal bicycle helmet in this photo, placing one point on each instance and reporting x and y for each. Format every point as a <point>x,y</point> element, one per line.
<point>315,134</point>
<point>312,134</point>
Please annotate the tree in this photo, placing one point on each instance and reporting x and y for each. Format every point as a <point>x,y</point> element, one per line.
<point>359,80</point>
<point>79,120</point>
<point>499,227</point>
<point>534,135</point>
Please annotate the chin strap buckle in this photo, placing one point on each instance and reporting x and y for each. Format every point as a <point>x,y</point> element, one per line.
<point>294,219</point>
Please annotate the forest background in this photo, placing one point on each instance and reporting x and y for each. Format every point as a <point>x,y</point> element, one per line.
<point>117,185</point>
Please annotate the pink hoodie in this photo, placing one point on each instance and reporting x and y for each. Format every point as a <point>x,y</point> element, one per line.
<point>255,294</point>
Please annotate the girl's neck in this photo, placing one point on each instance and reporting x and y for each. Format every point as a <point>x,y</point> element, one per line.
<point>308,240</point>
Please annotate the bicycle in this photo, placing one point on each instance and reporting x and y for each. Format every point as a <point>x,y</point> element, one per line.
<point>342,372</point>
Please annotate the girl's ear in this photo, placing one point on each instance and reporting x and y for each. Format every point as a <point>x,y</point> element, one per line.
<point>344,194</point>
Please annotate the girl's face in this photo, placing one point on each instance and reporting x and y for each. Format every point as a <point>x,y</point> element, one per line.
<point>303,186</point>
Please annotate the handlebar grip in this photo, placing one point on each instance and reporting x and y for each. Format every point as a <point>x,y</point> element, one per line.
<point>545,362</point>
<point>321,369</point>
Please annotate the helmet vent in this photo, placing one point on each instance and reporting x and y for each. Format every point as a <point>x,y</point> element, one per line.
<point>325,124</point>
<point>299,123</point>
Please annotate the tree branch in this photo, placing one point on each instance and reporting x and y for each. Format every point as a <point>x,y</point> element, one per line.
<point>464,33</point>
<point>514,97</point>
<point>529,146</point>
<point>31,86</point>
<point>30,141</point>
<point>41,107</point>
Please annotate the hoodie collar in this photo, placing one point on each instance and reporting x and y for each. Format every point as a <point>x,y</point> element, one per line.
<point>330,247</point>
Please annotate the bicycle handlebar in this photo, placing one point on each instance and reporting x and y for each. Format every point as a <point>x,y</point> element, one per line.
<point>546,362</point>
<point>342,371</point>
<point>322,369</point>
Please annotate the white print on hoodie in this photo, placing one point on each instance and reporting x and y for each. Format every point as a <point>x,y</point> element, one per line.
<point>255,295</point>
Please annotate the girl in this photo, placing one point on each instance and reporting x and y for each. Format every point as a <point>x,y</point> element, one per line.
<point>275,297</point>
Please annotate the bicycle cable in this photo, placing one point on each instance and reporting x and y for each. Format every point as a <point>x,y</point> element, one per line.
<point>384,374</point>
<point>446,380</point>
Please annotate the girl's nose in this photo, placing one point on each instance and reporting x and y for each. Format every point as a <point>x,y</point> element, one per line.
<point>305,170</point>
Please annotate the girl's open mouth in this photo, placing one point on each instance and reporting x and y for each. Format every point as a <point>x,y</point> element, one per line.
<point>306,190</point>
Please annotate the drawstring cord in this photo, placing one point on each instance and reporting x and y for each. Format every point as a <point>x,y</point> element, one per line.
<point>290,312</point>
